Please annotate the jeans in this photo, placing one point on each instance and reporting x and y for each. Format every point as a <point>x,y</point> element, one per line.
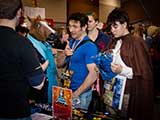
<point>25,118</point>
<point>85,99</point>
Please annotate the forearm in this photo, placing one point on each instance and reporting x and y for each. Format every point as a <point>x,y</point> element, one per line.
<point>90,79</point>
<point>37,81</point>
<point>39,87</point>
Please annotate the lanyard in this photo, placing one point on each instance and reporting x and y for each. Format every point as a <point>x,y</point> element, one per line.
<point>75,44</point>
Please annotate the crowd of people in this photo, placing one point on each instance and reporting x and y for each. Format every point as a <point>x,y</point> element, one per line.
<point>29,66</point>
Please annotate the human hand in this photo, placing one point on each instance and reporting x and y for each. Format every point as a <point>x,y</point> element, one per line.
<point>116,68</point>
<point>68,51</point>
<point>75,95</point>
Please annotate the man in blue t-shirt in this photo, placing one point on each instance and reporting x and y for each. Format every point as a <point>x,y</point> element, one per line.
<point>80,57</point>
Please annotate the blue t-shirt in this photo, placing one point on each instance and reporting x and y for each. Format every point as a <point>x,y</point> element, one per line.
<point>82,56</point>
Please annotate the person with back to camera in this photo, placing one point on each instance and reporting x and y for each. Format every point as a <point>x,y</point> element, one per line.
<point>80,59</point>
<point>20,67</point>
<point>135,64</point>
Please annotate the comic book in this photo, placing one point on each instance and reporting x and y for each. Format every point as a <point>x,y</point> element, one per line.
<point>62,103</point>
<point>114,92</point>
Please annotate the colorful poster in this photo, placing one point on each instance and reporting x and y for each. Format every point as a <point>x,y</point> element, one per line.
<point>114,92</point>
<point>62,103</point>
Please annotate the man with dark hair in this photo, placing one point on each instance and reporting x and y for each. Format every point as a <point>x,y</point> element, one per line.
<point>132,61</point>
<point>80,52</point>
<point>20,67</point>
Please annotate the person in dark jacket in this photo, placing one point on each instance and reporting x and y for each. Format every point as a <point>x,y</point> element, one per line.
<point>20,67</point>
